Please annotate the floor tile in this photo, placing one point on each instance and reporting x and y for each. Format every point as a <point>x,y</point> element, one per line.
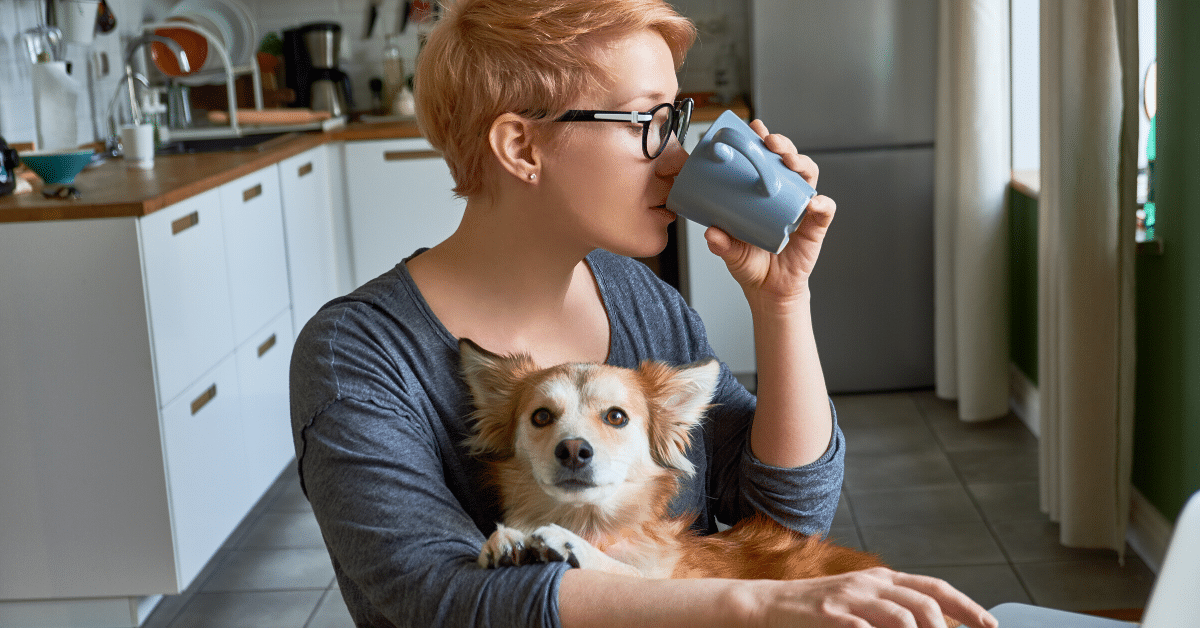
<point>906,470</point>
<point>1007,432</point>
<point>1031,540</point>
<point>331,612</point>
<point>843,516</point>
<point>1001,465</point>
<point>889,439</point>
<point>930,544</point>
<point>877,410</point>
<point>1007,501</point>
<point>988,585</point>
<point>283,529</point>
<point>256,609</point>
<point>1088,585</point>
<point>263,569</point>
<point>913,505</point>
<point>846,536</point>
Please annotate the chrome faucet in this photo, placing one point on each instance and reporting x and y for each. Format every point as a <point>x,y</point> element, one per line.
<point>112,144</point>
<point>135,109</point>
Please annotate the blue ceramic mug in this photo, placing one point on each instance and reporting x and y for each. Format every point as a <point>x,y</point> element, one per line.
<point>733,181</point>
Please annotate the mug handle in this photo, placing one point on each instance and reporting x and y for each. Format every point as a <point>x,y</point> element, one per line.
<point>768,180</point>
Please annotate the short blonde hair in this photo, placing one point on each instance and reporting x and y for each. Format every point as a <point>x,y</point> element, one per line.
<point>529,57</point>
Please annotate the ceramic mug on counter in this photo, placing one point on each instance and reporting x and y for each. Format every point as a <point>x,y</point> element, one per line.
<point>137,145</point>
<point>733,181</point>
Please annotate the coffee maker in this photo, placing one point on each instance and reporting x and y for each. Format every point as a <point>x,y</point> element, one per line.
<point>311,57</point>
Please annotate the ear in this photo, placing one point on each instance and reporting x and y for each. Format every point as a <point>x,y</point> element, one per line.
<point>678,399</point>
<point>493,381</point>
<point>511,138</point>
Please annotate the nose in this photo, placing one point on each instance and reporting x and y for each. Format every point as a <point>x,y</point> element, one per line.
<point>573,453</point>
<point>670,162</point>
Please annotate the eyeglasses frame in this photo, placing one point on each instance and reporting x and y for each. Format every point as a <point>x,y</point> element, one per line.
<point>680,120</point>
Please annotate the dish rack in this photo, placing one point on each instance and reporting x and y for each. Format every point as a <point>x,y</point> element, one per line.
<point>229,73</point>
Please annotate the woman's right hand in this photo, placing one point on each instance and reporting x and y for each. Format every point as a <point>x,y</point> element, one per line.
<point>875,598</point>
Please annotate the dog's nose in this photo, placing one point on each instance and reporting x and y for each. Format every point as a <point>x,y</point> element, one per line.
<point>573,453</point>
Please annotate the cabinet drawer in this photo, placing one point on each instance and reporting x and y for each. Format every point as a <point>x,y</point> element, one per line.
<point>262,364</point>
<point>206,461</point>
<point>187,290</point>
<point>253,221</point>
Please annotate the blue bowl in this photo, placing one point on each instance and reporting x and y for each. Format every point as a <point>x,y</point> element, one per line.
<point>58,167</point>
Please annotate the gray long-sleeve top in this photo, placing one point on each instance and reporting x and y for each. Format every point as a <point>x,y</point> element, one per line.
<point>378,417</point>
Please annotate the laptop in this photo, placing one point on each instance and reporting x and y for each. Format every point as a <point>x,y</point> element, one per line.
<point>1174,601</point>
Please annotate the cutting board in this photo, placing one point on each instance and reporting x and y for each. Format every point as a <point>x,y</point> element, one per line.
<point>270,116</point>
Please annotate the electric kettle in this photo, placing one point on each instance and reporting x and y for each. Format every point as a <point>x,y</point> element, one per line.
<point>8,163</point>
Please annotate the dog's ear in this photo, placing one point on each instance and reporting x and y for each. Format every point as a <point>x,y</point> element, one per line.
<point>493,381</point>
<point>678,399</point>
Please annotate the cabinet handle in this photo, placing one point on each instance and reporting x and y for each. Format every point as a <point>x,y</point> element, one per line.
<point>187,222</point>
<point>405,155</point>
<point>203,399</point>
<point>253,192</point>
<point>266,345</point>
<point>304,170</point>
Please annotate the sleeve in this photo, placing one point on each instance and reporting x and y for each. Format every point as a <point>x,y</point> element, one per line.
<point>397,532</point>
<point>804,498</point>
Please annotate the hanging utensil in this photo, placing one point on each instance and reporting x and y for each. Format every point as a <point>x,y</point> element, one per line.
<point>370,17</point>
<point>106,20</point>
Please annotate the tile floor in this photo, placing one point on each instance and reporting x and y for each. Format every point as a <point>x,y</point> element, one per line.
<point>929,493</point>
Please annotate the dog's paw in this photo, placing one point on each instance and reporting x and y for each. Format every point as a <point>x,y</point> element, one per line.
<point>555,544</point>
<point>506,547</point>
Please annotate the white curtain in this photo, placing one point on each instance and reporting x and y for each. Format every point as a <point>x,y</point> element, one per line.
<point>1086,263</point>
<point>972,172</point>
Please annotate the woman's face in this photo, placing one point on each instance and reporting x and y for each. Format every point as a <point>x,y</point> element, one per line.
<point>596,174</point>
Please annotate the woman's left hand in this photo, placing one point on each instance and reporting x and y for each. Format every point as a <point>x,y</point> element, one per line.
<point>784,277</point>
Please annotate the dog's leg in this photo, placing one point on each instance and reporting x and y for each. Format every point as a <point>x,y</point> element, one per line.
<point>554,543</point>
<point>510,547</point>
<point>506,547</point>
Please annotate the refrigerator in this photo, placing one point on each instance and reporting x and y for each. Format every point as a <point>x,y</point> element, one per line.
<point>853,84</point>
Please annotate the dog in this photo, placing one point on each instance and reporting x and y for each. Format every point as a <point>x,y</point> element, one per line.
<point>586,459</point>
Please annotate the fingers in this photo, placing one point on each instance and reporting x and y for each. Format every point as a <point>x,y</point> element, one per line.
<point>951,601</point>
<point>782,146</point>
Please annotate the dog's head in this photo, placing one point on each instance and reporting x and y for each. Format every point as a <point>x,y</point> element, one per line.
<point>584,434</point>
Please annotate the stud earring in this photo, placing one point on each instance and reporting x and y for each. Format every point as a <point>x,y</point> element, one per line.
<point>532,176</point>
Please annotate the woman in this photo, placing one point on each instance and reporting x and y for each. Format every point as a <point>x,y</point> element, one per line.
<point>556,204</point>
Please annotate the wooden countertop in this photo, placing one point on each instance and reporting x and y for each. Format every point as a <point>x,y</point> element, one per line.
<point>112,190</point>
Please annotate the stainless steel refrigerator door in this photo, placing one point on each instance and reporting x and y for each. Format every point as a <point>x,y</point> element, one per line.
<point>845,73</point>
<point>873,285</point>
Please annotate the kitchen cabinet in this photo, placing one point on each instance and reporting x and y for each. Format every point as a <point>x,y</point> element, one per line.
<point>311,226</point>
<point>143,397</point>
<point>399,200</point>
<point>712,291</point>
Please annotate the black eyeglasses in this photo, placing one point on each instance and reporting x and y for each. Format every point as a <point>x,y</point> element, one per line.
<point>657,124</point>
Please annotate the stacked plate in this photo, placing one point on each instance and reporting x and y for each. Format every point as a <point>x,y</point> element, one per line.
<point>228,20</point>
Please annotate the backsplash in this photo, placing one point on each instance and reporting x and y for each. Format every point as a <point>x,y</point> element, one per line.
<point>722,23</point>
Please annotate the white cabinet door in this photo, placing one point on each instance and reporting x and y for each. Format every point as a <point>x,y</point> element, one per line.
<point>713,292</point>
<point>400,200</point>
<point>206,466</point>
<point>262,366</point>
<point>309,226</point>
<point>183,258</point>
<point>258,281</point>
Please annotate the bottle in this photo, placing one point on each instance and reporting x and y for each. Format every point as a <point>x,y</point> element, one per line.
<point>393,71</point>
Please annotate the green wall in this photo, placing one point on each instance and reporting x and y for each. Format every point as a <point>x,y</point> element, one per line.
<point>1166,463</point>
<point>1023,282</point>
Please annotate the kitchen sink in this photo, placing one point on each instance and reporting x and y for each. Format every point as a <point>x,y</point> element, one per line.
<point>216,144</point>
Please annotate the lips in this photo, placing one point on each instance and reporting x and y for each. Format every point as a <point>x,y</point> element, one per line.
<point>575,485</point>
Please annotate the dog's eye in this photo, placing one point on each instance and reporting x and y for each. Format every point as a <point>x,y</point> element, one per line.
<point>541,417</point>
<point>616,417</point>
